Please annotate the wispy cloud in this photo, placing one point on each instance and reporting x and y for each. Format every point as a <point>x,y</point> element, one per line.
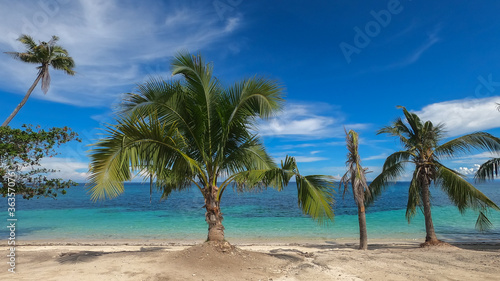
<point>113,43</point>
<point>306,121</point>
<point>413,57</point>
<point>463,116</point>
<point>66,168</point>
<point>475,158</point>
<point>305,159</point>
<point>376,157</point>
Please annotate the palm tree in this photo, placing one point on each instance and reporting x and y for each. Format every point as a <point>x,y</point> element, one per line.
<point>46,54</point>
<point>421,147</point>
<point>197,132</point>
<point>355,176</point>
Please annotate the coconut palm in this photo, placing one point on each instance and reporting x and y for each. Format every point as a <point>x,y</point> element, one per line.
<point>45,54</point>
<point>355,176</point>
<point>195,132</point>
<point>420,141</point>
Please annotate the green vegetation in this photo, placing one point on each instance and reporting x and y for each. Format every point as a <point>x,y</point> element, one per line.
<point>356,177</point>
<point>489,169</point>
<point>21,151</point>
<point>420,141</point>
<point>195,131</point>
<point>46,54</point>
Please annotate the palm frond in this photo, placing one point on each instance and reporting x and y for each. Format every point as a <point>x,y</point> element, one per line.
<point>414,197</point>
<point>28,41</point>
<point>488,170</point>
<point>315,196</point>
<point>464,195</point>
<point>482,222</point>
<point>465,144</point>
<point>44,71</point>
<point>393,169</point>
<point>135,145</point>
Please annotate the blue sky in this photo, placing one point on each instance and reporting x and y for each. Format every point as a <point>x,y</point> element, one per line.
<point>342,63</point>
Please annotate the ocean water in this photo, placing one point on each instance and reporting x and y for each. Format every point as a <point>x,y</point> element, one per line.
<point>268,215</point>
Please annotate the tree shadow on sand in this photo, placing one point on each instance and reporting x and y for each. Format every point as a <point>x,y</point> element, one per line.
<point>88,256</point>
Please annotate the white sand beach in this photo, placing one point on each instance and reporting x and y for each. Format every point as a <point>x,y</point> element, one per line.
<point>139,260</point>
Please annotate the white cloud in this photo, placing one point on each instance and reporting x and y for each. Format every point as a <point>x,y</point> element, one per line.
<point>376,157</point>
<point>415,56</point>
<point>307,159</point>
<point>463,116</point>
<point>113,43</point>
<point>304,120</point>
<point>468,171</point>
<point>475,158</point>
<point>68,169</point>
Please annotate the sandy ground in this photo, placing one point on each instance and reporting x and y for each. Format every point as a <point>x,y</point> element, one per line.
<point>270,261</point>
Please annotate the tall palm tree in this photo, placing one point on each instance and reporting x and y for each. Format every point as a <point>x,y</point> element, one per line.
<point>197,132</point>
<point>45,54</point>
<point>420,141</point>
<point>356,177</point>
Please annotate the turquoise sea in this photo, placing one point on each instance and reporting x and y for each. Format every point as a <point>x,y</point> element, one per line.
<point>268,215</point>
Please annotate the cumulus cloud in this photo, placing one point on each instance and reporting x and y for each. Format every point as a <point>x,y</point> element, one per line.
<point>463,116</point>
<point>468,171</point>
<point>114,43</point>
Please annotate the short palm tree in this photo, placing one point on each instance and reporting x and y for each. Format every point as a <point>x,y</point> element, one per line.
<point>197,132</point>
<point>420,141</point>
<point>356,177</point>
<point>45,54</point>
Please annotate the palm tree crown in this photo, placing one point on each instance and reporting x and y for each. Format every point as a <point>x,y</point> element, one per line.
<point>45,54</point>
<point>195,131</point>
<point>422,148</point>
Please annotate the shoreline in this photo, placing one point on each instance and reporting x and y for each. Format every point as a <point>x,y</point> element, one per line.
<point>236,241</point>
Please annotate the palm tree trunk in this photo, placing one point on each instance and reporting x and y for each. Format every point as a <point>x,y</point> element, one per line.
<point>430,237</point>
<point>363,237</point>
<point>25,99</point>
<point>213,215</point>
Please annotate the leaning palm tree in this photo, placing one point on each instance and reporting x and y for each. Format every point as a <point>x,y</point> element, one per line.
<point>420,141</point>
<point>195,132</point>
<point>356,177</point>
<point>45,54</point>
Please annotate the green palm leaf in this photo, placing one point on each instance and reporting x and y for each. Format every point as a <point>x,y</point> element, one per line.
<point>488,170</point>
